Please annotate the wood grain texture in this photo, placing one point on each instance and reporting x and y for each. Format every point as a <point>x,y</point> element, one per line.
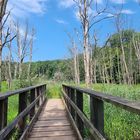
<point>53,123</point>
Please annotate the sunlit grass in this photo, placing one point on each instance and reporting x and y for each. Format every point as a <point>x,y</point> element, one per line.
<point>119,124</point>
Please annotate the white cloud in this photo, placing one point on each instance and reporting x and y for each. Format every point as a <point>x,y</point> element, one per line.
<point>60,21</point>
<point>127,11</point>
<point>66,3</point>
<point>21,8</point>
<point>118,1</point>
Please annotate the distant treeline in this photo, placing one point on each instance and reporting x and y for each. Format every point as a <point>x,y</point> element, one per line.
<point>108,63</point>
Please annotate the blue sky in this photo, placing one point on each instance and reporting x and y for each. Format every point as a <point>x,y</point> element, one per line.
<point>52,18</point>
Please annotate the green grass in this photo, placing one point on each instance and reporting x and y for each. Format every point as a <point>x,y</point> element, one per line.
<point>53,90</point>
<point>119,124</point>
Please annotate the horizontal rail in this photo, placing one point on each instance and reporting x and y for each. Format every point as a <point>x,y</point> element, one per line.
<point>30,101</point>
<point>11,93</point>
<point>74,101</point>
<point>94,132</point>
<point>132,106</point>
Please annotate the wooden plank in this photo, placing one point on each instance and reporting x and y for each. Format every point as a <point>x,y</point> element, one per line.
<point>4,133</point>
<point>47,129</point>
<point>52,118</point>
<point>55,138</point>
<point>97,114</point>
<point>93,131</point>
<point>52,133</point>
<point>32,98</point>
<point>20,91</point>
<point>79,103</point>
<point>53,123</point>
<point>3,113</point>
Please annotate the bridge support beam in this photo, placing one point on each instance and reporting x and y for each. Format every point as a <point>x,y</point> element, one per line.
<point>3,113</point>
<point>79,103</point>
<point>22,106</point>
<point>97,114</point>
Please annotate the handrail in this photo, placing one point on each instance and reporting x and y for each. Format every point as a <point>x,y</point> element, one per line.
<point>22,90</point>
<point>73,97</point>
<point>132,106</point>
<point>31,100</point>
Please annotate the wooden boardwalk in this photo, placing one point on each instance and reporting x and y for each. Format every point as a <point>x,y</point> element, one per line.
<point>53,123</point>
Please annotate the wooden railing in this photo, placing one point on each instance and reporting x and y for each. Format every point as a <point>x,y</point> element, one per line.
<point>30,102</point>
<point>73,97</point>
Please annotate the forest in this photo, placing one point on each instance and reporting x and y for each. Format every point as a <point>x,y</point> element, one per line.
<point>111,67</point>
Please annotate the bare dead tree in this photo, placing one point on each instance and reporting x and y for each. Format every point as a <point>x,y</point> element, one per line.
<point>31,55</point>
<point>126,74</point>
<point>136,44</point>
<point>74,52</point>
<point>4,37</point>
<point>88,20</point>
<point>23,46</point>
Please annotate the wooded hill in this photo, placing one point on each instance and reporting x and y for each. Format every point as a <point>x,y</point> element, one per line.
<point>118,61</point>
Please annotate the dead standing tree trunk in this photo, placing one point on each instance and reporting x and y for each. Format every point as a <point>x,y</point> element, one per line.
<point>31,54</point>
<point>74,52</point>
<point>87,20</point>
<point>3,4</point>
<point>126,71</point>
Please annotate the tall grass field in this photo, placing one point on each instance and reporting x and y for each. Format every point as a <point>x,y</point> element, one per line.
<point>119,124</point>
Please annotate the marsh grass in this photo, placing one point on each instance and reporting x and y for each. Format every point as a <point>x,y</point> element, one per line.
<point>119,124</point>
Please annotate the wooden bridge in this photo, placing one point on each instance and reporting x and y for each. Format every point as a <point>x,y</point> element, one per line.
<point>40,118</point>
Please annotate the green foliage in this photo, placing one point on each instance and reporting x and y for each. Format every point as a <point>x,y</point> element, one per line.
<point>54,90</point>
<point>119,124</point>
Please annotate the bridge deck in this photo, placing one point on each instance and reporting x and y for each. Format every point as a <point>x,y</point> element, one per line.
<point>53,123</point>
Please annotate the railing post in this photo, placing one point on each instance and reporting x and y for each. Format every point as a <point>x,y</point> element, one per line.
<point>73,99</point>
<point>42,93</point>
<point>38,93</point>
<point>66,92</point>
<point>32,98</point>
<point>79,103</point>
<point>97,114</point>
<point>3,113</point>
<point>69,95</point>
<point>22,106</point>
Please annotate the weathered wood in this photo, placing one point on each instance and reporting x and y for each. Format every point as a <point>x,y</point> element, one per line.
<point>131,106</point>
<point>93,131</point>
<point>4,133</point>
<point>69,95</point>
<point>3,113</point>
<point>73,99</point>
<point>72,121</point>
<point>79,103</point>
<point>38,93</point>
<point>55,138</point>
<point>32,98</point>
<point>22,107</point>
<point>97,114</point>
<point>30,125</point>
<point>48,127</point>
<point>20,91</point>
<point>23,110</point>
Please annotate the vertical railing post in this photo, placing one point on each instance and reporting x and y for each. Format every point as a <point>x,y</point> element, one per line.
<point>32,98</point>
<point>97,114</point>
<point>66,92</point>
<point>22,106</point>
<point>73,99</point>
<point>45,92</point>
<point>3,113</point>
<point>79,103</point>
<point>38,93</point>
<point>69,95</point>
